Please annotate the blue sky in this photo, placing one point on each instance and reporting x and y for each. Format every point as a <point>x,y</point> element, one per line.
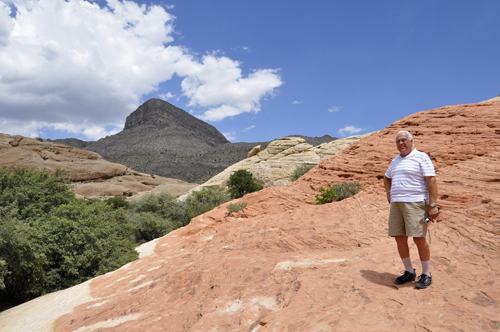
<point>256,70</point>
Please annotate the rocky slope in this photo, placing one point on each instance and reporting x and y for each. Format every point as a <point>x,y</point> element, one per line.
<point>91,175</point>
<point>286,264</point>
<point>162,139</point>
<point>274,165</point>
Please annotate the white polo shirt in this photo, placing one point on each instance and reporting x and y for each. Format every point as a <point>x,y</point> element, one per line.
<point>408,177</point>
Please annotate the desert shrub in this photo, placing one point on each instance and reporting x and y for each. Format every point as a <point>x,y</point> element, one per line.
<point>337,192</point>
<point>49,240</point>
<point>164,205</point>
<point>118,202</point>
<point>300,170</point>
<point>148,226</point>
<point>241,183</point>
<point>199,202</point>
<point>235,207</point>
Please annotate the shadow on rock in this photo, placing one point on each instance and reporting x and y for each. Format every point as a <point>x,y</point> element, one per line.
<point>383,279</point>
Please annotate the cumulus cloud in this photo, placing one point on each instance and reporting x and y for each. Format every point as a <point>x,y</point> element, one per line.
<point>349,130</point>
<point>68,63</point>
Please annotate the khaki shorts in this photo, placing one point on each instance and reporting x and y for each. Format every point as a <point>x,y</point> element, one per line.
<point>407,218</point>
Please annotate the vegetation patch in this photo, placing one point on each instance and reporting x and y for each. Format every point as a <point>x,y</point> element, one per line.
<point>235,207</point>
<point>241,183</point>
<point>51,240</point>
<point>300,170</point>
<point>337,192</point>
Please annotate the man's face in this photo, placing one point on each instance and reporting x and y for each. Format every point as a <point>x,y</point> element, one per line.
<point>404,144</point>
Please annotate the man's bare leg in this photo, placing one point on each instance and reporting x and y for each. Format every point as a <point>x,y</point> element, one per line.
<point>404,253</point>
<point>424,251</point>
<point>403,248</point>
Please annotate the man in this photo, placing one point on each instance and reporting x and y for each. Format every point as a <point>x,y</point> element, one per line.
<point>410,184</point>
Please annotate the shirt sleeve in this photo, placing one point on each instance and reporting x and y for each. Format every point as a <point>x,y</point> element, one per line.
<point>427,166</point>
<point>389,171</point>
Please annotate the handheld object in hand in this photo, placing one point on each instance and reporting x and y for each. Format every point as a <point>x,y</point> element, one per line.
<point>426,220</point>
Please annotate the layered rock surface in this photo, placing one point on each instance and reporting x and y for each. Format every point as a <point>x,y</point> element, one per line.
<point>286,264</point>
<point>274,165</point>
<point>91,175</point>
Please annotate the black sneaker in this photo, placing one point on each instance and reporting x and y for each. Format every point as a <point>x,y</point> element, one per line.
<point>408,276</point>
<point>424,281</point>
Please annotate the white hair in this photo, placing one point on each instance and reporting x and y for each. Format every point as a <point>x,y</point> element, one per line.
<point>404,132</point>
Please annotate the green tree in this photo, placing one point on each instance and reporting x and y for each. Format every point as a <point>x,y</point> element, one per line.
<point>241,183</point>
<point>50,240</point>
<point>32,192</point>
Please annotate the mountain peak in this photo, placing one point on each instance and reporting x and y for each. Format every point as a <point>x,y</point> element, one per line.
<point>163,115</point>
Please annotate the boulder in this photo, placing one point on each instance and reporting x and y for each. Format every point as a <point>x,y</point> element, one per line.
<point>254,151</point>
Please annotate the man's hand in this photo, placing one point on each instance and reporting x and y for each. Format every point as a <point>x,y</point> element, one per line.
<point>433,212</point>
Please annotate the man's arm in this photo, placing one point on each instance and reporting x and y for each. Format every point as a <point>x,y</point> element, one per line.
<point>387,186</point>
<point>433,194</point>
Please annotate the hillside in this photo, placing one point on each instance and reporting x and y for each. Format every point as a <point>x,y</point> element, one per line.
<point>91,176</point>
<point>286,264</point>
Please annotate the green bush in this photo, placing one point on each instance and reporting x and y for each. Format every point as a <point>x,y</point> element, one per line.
<point>199,202</point>
<point>49,240</point>
<point>118,202</point>
<point>337,192</point>
<point>241,183</point>
<point>300,170</point>
<point>235,207</point>
<point>32,192</point>
<point>164,205</point>
<point>148,226</point>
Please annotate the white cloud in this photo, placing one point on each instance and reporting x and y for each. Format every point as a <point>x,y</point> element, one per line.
<point>295,102</point>
<point>248,128</point>
<point>349,130</point>
<point>217,83</point>
<point>35,128</point>
<point>71,62</point>
<point>6,24</point>
<point>229,136</point>
<point>167,96</point>
<point>244,48</point>
<point>334,109</point>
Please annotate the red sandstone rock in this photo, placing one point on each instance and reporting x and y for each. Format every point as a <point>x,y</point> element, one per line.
<point>286,264</point>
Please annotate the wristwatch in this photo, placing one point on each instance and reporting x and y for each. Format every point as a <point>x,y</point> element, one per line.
<point>433,205</point>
